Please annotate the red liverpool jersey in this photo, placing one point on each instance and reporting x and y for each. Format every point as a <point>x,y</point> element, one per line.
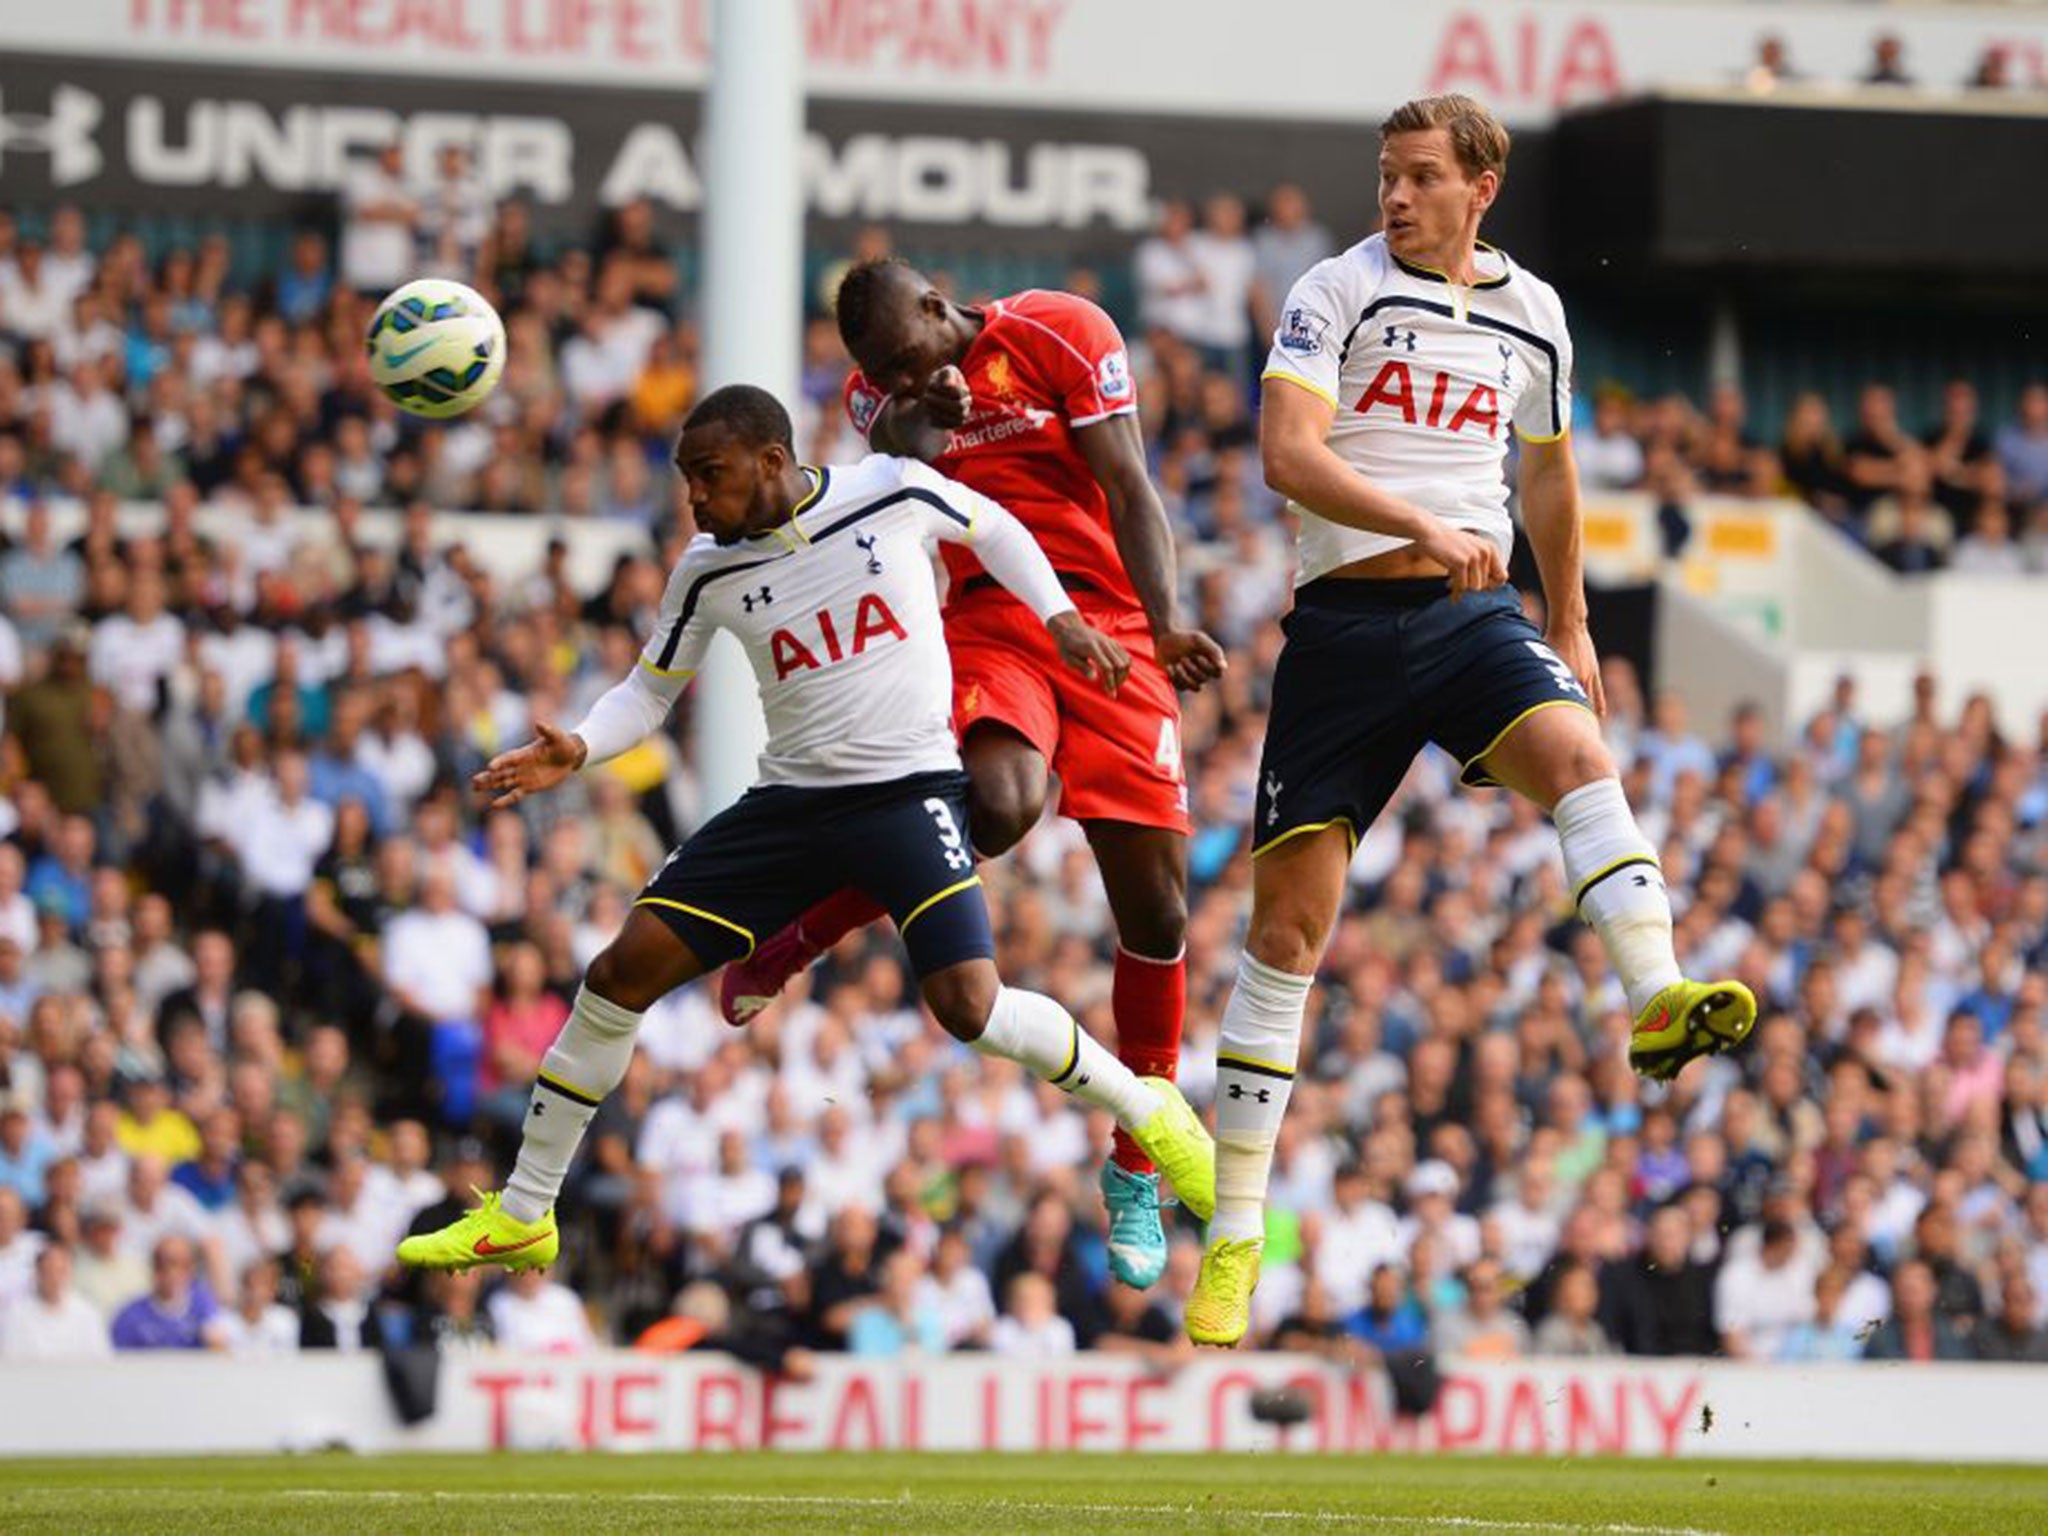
<point>1044,365</point>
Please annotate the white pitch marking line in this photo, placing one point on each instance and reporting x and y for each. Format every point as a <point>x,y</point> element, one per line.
<point>1035,1506</point>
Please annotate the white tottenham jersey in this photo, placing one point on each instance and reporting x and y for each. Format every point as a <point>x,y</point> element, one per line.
<point>1427,376</point>
<point>838,610</point>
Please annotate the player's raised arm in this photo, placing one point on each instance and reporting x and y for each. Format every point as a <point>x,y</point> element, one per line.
<point>630,711</point>
<point>1115,452</point>
<point>1294,447</point>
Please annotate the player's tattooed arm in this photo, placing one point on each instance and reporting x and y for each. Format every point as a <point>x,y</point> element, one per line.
<point>1116,456</point>
<point>921,427</point>
<point>1552,519</point>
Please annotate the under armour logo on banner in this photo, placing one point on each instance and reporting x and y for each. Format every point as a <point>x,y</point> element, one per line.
<point>65,135</point>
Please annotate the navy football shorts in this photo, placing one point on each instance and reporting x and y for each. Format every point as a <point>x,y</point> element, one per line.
<point>779,850</point>
<point>1371,672</point>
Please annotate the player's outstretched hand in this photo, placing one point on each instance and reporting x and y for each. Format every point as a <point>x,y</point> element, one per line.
<point>1474,563</point>
<point>1574,647</point>
<point>946,398</point>
<point>529,770</point>
<point>1191,658</point>
<point>1089,651</point>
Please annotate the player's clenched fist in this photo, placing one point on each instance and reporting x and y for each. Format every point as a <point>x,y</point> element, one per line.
<point>1191,658</point>
<point>1474,562</point>
<point>1089,651</point>
<point>529,770</point>
<point>946,398</point>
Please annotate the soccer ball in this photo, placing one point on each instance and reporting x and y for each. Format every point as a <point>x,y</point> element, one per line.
<point>436,347</point>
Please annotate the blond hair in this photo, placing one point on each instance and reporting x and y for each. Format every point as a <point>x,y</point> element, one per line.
<point>1477,137</point>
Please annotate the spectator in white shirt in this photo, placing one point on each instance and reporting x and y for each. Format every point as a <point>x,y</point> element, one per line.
<point>156,1208</point>
<point>379,217</point>
<point>535,1315</point>
<point>260,1324</point>
<point>1169,278</point>
<point>1031,1328</point>
<point>1988,548</point>
<point>135,652</point>
<point>17,912</point>
<point>958,1292</point>
<point>1610,458</point>
<point>1529,1223</point>
<point>285,833</point>
<point>1760,1299</point>
<point>87,418</point>
<point>1358,1235</point>
<point>437,958</point>
<point>356,1219</point>
<point>34,299</point>
<point>1222,255</point>
<point>68,262</point>
<point>455,217</point>
<point>1432,1191</point>
<point>18,1249</point>
<point>53,1322</point>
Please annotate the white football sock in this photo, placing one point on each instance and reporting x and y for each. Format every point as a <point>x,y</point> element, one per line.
<point>586,1062</point>
<point>1618,887</point>
<point>1255,1062</point>
<point>1048,1042</point>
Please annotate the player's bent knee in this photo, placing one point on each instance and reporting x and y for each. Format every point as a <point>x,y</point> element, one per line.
<point>1289,934</point>
<point>962,996</point>
<point>999,815</point>
<point>642,965</point>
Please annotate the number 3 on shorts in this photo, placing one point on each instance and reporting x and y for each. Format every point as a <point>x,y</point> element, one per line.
<point>1565,681</point>
<point>957,856</point>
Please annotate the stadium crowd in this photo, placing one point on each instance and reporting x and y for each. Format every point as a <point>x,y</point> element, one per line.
<point>271,987</point>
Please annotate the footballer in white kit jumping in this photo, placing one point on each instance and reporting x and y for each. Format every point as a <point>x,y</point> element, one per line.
<point>1399,368</point>
<point>824,574</point>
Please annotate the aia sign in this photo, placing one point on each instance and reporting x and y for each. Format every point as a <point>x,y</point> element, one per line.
<point>872,622</point>
<point>1394,388</point>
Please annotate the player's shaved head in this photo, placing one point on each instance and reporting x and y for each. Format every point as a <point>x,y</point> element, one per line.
<point>872,290</point>
<point>751,414</point>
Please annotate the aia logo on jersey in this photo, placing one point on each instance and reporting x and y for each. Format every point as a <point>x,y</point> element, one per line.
<point>863,405</point>
<point>872,623</point>
<point>1394,389</point>
<point>1113,376</point>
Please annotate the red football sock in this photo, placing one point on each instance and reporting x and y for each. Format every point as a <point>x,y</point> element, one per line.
<point>838,915</point>
<point>1149,999</point>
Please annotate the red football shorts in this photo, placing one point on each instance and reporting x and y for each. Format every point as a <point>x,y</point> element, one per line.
<point>1118,759</point>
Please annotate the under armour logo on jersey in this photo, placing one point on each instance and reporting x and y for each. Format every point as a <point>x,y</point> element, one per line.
<point>1507,362</point>
<point>65,134</point>
<point>764,597</point>
<point>1396,337</point>
<point>866,541</point>
<point>538,1109</point>
<point>1263,1095</point>
<point>1272,799</point>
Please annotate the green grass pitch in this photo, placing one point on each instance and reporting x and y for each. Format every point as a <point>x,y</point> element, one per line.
<point>972,1493</point>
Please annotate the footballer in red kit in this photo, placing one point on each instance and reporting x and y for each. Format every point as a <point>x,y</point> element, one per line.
<point>1030,400</point>
<point>1044,367</point>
